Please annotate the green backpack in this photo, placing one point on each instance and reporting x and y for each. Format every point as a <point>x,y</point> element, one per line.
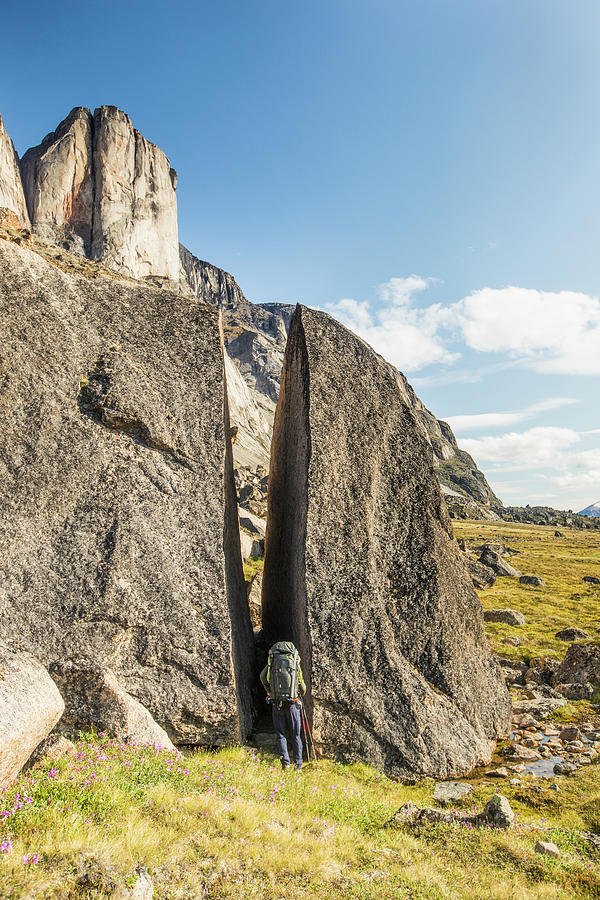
<point>282,672</point>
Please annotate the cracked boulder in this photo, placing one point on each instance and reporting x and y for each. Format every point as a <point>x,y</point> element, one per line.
<point>119,537</point>
<point>363,573</point>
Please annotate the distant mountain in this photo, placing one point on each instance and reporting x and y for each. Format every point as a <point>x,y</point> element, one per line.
<point>592,510</point>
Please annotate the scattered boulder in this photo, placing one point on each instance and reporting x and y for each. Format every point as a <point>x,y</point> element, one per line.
<point>546,848</point>
<point>508,616</point>
<point>564,767</point>
<point>518,751</point>
<point>558,534</point>
<point>500,772</point>
<point>30,707</point>
<point>498,547</point>
<point>513,640</point>
<point>446,792</point>
<point>497,813</point>
<point>581,665</point>
<point>572,634</point>
<point>482,576</point>
<point>591,579</point>
<point>94,699</point>
<point>417,692</point>
<point>541,670</point>
<point>533,580</point>
<point>570,733</point>
<point>499,565</point>
<point>539,708</point>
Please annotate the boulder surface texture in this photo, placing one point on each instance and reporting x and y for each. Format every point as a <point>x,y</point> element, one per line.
<point>119,538</point>
<point>30,707</point>
<point>98,187</point>
<point>362,571</point>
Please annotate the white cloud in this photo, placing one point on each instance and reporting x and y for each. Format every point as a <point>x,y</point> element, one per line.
<point>553,332</point>
<point>502,420</point>
<point>537,447</point>
<point>400,291</point>
<point>550,332</point>
<point>405,336</point>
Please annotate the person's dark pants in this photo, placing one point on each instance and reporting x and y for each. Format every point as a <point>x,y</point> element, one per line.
<point>288,717</point>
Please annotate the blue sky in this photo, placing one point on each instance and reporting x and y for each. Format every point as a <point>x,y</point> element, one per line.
<point>329,150</point>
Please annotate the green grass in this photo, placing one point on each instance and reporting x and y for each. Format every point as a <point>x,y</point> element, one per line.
<point>231,825</point>
<point>565,600</point>
<point>252,566</point>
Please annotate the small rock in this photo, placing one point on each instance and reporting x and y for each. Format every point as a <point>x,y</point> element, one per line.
<point>500,772</point>
<point>515,781</point>
<point>513,640</point>
<point>572,634</point>
<point>564,768</point>
<point>591,579</point>
<point>554,787</point>
<point>533,580</point>
<point>508,616</point>
<point>570,733</point>
<point>558,534</point>
<point>498,812</point>
<point>451,791</point>
<point>546,848</point>
<point>143,889</point>
<point>518,751</point>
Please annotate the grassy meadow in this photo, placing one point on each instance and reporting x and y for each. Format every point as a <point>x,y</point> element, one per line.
<point>231,824</point>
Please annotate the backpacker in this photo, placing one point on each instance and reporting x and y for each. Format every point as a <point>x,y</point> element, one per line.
<point>282,672</point>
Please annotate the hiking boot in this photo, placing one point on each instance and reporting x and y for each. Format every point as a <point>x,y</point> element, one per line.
<point>298,766</point>
<point>284,765</point>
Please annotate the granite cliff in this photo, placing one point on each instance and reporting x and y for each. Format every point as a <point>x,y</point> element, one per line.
<point>98,187</point>
<point>12,197</point>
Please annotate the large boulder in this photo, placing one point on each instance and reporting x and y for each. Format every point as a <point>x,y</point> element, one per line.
<point>98,187</point>
<point>481,576</point>
<point>507,616</point>
<point>95,699</point>
<point>581,666</point>
<point>30,707</point>
<point>11,189</point>
<point>119,536</point>
<point>495,561</point>
<point>362,570</point>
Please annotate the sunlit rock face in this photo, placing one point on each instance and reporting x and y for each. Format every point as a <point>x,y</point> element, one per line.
<point>98,187</point>
<point>11,189</point>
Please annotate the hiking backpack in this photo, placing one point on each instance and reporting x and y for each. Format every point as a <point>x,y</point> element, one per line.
<point>283,675</point>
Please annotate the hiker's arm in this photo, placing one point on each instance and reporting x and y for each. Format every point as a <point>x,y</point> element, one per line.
<point>301,684</point>
<point>263,678</point>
